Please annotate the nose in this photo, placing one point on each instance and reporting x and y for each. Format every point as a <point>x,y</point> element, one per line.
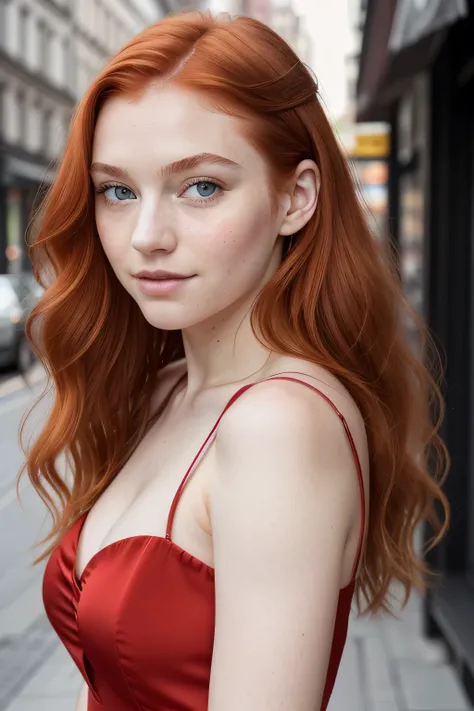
<point>153,231</point>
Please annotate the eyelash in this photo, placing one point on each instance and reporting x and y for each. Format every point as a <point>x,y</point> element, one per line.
<point>196,181</point>
<point>189,184</point>
<point>107,186</point>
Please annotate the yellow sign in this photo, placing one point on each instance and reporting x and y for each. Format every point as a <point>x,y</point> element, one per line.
<point>371,145</point>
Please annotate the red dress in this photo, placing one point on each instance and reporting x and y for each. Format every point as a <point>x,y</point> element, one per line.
<point>139,624</point>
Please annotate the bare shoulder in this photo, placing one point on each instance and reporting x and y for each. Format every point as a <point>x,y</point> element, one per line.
<point>325,382</point>
<point>287,441</point>
<point>282,406</point>
<point>285,512</point>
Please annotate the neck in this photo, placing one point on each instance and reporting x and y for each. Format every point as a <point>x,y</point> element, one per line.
<point>223,351</point>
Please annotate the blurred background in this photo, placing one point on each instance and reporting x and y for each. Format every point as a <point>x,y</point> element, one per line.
<point>397,82</point>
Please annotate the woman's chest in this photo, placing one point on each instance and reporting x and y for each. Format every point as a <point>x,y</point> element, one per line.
<point>139,500</point>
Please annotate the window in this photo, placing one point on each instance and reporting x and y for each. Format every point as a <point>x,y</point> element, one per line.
<point>99,23</point>
<point>2,110</point>
<point>23,19</point>
<point>121,34</point>
<point>3,24</point>
<point>66,52</point>
<point>21,114</point>
<point>91,74</point>
<point>45,43</point>
<point>70,70</point>
<point>41,44</point>
<point>35,125</point>
<point>65,128</point>
<point>47,118</point>
<point>93,18</point>
<point>113,34</point>
<point>108,38</point>
<point>48,65</point>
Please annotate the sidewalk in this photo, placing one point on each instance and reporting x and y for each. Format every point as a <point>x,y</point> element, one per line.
<point>11,384</point>
<point>387,666</point>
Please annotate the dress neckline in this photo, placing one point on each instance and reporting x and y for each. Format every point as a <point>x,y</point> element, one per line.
<point>167,541</point>
<point>147,539</point>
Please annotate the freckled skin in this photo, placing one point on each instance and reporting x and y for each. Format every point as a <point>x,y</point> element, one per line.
<point>169,227</point>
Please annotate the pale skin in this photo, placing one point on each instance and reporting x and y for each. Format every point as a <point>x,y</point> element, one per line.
<point>274,504</point>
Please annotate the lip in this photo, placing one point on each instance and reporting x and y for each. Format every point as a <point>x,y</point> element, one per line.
<point>159,274</point>
<point>159,283</point>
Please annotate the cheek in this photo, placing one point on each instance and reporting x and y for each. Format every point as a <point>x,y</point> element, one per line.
<point>240,243</point>
<point>113,231</point>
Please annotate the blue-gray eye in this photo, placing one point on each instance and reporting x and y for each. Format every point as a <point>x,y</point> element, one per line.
<point>118,193</point>
<point>204,188</point>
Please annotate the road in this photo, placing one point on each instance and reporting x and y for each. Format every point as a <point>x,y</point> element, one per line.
<point>387,665</point>
<point>25,637</point>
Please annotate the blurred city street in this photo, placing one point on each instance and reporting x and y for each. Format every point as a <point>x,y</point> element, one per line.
<point>387,665</point>
<point>396,78</point>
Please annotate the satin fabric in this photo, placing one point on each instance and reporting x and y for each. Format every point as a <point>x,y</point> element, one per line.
<point>139,624</point>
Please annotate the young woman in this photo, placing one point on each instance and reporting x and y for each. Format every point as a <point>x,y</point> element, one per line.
<point>245,424</point>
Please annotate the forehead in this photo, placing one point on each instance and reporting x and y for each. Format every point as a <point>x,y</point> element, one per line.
<point>166,123</point>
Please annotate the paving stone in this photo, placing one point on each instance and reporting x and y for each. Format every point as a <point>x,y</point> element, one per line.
<point>22,612</point>
<point>59,677</point>
<point>431,688</point>
<point>58,703</point>
<point>379,684</point>
<point>405,644</point>
<point>363,627</point>
<point>350,682</point>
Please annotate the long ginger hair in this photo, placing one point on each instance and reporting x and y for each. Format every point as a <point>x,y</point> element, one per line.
<point>333,301</point>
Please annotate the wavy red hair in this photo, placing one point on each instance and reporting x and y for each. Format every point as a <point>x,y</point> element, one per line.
<point>333,301</point>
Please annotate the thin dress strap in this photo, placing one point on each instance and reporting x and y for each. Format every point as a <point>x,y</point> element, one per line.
<point>216,425</point>
<point>177,496</point>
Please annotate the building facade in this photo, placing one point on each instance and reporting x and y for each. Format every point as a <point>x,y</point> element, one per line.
<point>50,50</point>
<point>232,7</point>
<point>36,101</point>
<point>285,21</point>
<point>258,9</point>
<point>281,16</point>
<point>289,25</point>
<point>101,27</point>
<point>367,145</point>
<point>356,19</point>
<point>417,73</point>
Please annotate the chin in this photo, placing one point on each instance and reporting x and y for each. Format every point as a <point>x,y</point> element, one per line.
<point>170,317</point>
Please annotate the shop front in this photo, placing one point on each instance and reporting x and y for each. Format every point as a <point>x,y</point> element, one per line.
<point>368,149</point>
<point>425,89</point>
<point>21,182</point>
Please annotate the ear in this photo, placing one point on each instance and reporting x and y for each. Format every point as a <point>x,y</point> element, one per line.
<point>303,198</point>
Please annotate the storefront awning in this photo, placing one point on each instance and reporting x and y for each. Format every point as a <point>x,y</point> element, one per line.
<point>18,170</point>
<point>416,19</point>
<point>401,38</point>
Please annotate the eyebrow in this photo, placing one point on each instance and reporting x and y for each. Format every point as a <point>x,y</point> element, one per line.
<point>178,166</point>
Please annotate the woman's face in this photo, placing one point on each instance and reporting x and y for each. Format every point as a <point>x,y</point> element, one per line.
<point>179,190</point>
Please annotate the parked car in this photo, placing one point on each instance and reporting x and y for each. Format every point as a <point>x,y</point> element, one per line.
<point>18,294</point>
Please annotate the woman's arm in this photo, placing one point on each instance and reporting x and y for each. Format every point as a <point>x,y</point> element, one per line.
<point>286,498</point>
<point>81,703</point>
